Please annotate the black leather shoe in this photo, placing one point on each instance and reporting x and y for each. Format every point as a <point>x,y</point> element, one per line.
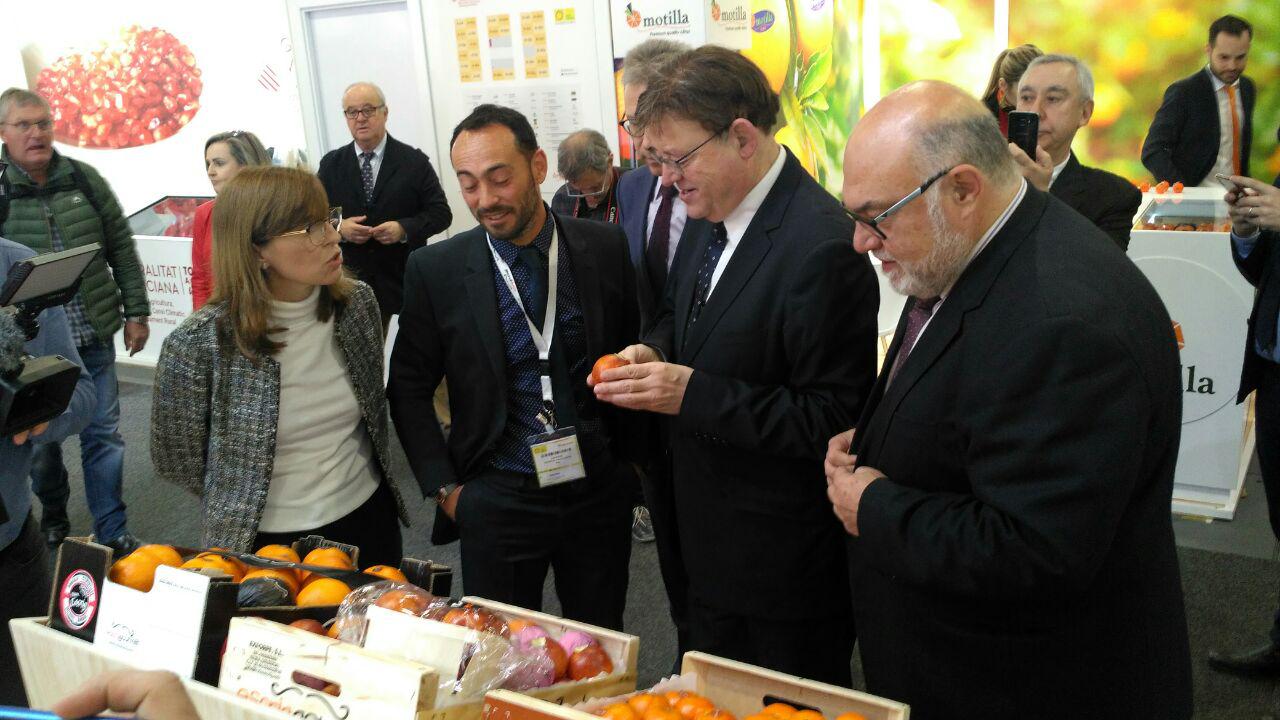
<point>123,545</point>
<point>54,536</point>
<point>1263,661</point>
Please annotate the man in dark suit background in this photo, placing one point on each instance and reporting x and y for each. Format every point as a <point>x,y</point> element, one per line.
<point>1255,230</point>
<point>764,340</point>
<point>461,319</point>
<point>1059,88</point>
<point>1008,504</point>
<point>390,197</point>
<point>1205,123</point>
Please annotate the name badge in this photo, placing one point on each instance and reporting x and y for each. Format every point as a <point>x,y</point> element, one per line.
<point>557,458</point>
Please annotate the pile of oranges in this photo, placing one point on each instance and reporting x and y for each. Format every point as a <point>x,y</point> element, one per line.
<point>305,589</point>
<point>681,705</point>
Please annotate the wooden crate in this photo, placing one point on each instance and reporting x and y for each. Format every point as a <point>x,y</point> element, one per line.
<point>736,687</point>
<point>55,664</point>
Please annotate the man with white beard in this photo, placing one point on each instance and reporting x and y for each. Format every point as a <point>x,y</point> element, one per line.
<point>1007,488</point>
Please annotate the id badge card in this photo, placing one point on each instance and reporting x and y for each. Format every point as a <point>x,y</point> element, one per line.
<point>557,458</point>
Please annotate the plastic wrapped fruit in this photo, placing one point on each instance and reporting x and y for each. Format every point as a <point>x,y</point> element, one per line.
<point>573,640</point>
<point>588,662</point>
<point>469,616</point>
<point>138,89</point>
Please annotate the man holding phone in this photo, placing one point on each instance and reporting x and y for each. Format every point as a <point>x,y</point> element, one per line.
<point>1255,230</point>
<point>1058,91</point>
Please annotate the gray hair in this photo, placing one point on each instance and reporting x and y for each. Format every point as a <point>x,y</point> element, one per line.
<point>244,146</point>
<point>20,98</point>
<point>973,139</point>
<point>583,150</point>
<point>647,60</point>
<point>382,99</point>
<point>1083,76</point>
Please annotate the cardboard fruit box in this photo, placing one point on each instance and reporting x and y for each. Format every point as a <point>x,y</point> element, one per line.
<point>290,668</point>
<point>181,623</point>
<point>735,687</point>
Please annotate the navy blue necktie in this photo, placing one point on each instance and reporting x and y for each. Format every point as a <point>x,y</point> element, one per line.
<point>710,259</point>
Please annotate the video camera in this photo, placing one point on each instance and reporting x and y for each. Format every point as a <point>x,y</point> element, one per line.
<point>35,390</point>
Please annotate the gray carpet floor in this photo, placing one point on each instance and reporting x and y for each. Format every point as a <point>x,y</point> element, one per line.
<point>1229,596</point>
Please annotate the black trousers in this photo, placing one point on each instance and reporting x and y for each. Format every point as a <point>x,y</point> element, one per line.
<point>512,532</point>
<point>25,577</point>
<point>659,496</point>
<point>374,527</point>
<point>1267,436</point>
<point>812,648</point>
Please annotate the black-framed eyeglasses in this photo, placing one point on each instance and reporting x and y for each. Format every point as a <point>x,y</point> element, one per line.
<point>315,232</point>
<point>604,188</point>
<point>873,224</point>
<point>681,162</point>
<point>367,111</point>
<point>628,126</point>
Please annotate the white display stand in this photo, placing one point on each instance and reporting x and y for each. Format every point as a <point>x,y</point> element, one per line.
<point>166,264</point>
<point>1209,302</point>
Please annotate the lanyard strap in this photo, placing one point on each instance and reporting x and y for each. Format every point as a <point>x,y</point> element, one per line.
<point>541,340</point>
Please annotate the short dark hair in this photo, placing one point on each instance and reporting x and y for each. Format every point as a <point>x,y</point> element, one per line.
<point>712,86</point>
<point>1231,25</point>
<point>486,115</point>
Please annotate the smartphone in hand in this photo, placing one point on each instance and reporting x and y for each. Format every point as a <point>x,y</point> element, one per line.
<point>1024,129</point>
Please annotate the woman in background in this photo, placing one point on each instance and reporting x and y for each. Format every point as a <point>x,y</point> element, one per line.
<point>269,403</point>
<point>225,155</point>
<point>1001,94</point>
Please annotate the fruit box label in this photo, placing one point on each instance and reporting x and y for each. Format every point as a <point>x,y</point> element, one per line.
<point>441,646</point>
<point>158,629</point>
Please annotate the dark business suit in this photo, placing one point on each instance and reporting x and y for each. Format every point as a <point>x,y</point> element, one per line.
<point>450,326</point>
<point>406,190</point>
<point>783,356</point>
<point>1018,561</point>
<point>1107,200</point>
<point>1182,143</point>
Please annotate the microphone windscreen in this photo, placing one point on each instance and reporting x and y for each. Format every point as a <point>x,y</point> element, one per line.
<point>12,338</point>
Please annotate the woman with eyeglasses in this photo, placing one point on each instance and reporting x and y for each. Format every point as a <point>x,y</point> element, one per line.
<point>225,155</point>
<point>269,401</point>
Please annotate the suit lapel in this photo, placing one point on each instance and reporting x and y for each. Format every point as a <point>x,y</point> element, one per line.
<point>1070,183</point>
<point>583,261</point>
<point>482,299</point>
<point>968,293</point>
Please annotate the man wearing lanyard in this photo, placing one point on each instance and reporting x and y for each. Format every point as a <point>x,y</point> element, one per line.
<point>515,312</point>
<point>590,190</point>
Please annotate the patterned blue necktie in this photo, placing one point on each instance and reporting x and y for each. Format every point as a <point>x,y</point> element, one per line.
<point>710,258</point>
<point>366,176</point>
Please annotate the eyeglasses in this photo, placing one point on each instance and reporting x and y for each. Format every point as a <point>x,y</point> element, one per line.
<point>873,224</point>
<point>680,163</point>
<point>315,232</point>
<point>628,126</point>
<point>604,188</point>
<point>367,111</point>
<point>25,126</point>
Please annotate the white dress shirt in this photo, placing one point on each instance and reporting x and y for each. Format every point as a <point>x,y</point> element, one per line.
<point>1225,163</point>
<point>376,161</point>
<point>1057,169</point>
<point>679,216</point>
<point>736,224</point>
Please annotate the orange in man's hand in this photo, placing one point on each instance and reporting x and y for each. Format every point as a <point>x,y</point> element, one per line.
<point>608,362</point>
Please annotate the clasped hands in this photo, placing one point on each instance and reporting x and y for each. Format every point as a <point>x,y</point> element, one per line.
<point>388,233</point>
<point>846,480</point>
<point>646,384</point>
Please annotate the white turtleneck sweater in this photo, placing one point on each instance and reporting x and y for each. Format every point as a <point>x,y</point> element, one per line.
<point>324,464</point>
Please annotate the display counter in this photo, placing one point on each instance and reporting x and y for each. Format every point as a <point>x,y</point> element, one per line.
<point>1182,244</point>
<point>162,235</point>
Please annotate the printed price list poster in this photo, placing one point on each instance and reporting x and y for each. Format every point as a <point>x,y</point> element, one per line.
<point>467,32</point>
<point>533,33</point>
<point>501,53</point>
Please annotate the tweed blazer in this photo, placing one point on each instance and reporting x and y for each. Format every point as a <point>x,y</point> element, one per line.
<point>214,414</point>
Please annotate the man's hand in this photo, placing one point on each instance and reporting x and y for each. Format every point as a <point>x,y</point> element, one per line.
<point>1256,206</point>
<point>636,354</point>
<point>838,459</point>
<point>653,386</point>
<point>388,233</point>
<point>450,503</point>
<point>135,336</point>
<point>155,694</point>
<point>26,435</point>
<point>352,231</point>
<point>1038,172</point>
<point>845,492</point>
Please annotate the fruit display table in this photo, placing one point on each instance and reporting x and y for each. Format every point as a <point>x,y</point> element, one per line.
<point>1181,243</point>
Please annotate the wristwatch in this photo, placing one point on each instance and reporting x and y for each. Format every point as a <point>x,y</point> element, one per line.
<point>444,492</point>
<point>141,320</point>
